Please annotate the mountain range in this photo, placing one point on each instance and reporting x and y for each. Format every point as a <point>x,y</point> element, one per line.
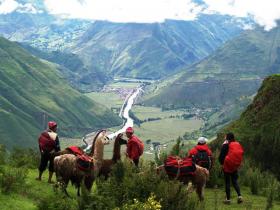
<point>233,71</point>
<point>34,91</point>
<point>108,50</point>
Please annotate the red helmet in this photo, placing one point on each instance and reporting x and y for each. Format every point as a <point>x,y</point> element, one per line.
<point>129,130</point>
<point>52,124</point>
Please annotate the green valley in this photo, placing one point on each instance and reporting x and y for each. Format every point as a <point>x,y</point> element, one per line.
<point>33,91</point>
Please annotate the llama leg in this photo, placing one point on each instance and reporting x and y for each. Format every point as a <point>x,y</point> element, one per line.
<point>200,191</point>
<point>78,189</point>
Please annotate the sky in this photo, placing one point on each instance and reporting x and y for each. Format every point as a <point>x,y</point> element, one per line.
<point>263,12</point>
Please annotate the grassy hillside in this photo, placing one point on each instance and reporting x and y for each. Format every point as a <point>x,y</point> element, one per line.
<point>73,69</point>
<point>235,70</point>
<point>258,127</point>
<point>33,91</point>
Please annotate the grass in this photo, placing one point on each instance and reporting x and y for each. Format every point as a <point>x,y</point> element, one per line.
<point>124,85</point>
<point>166,129</point>
<point>108,99</point>
<point>144,112</point>
<point>252,202</point>
<point>27,199</point>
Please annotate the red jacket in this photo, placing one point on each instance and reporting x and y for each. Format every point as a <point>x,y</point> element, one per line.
<point>204,147</point>
<point>133,150</point>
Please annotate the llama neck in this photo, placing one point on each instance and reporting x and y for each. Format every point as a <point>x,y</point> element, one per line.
<point>117,151</point>
<point>98,151</point>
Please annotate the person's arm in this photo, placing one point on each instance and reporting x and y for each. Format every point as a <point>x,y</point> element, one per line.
<point>223,153</point>
<point>135,151</point>
<point>57,144</point>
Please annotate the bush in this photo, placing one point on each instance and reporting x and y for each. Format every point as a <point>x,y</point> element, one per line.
<point>127,184</point>
<point>12,179</point>
<point>57,201</point>
<point>22,157</point>
<point>3,154</point>
<point>257,180</point>
<point>271,194</point>
<point>216,173</point>
<point>150,204</point>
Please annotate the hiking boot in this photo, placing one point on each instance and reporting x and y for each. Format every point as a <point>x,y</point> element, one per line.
<point>227,201</point>
<point>239,199</point>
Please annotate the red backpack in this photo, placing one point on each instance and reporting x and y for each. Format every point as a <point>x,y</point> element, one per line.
<point>45,142</point>
<point>177,167</point>
<point>141,147</point>
<point>84,162</point>
<point>234,157</point>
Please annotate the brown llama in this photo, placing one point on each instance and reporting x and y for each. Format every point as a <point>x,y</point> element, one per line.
<point>107,164</point>
<point>66,166</point>
<point>198,180</point>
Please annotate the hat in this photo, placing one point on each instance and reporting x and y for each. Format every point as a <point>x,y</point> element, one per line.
<point>129,130</point>
<point>202,140</point>
<point>52,124</point>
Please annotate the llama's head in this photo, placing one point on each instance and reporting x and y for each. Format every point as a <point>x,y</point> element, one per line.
<point>98,143</point>
<point>119,140</point>
<point>102,138</point>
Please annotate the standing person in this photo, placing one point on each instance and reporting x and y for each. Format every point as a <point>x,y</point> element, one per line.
<point>201,154</point>
<point>48,144</point>
<point>230,158</point>
<point>135,147</point>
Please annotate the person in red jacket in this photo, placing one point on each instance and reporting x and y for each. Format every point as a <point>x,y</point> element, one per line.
<point>135,146</point>
<point>48,144</point>
<point>230,158</point>
<point>201,154</point>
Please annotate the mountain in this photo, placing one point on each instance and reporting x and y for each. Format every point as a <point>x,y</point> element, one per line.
<point>39,28</point>
<point>258,127</point>
<point>233,71</point>
<point>34,91</point>
<point>73,69</point>
<point>152,51</point>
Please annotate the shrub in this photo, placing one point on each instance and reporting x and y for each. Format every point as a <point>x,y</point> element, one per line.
<point>3,154</point>
<point>22,157</point>
<point>271,194</point>
<point>56,201</point>
<point>127,184</point>
<point>150,204</point>
<point>216,173</point>
<point>11,179</point>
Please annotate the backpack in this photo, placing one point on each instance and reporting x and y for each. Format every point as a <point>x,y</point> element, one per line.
<point>84,162</point>
<point>202,159</point>
<point>45,142</point>
<point>234,157</point>
<point>140,147</point>
<point>75,150</point>
<point>177,167</point>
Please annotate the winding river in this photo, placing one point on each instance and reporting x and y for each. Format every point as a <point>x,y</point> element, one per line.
<point>124,114</point>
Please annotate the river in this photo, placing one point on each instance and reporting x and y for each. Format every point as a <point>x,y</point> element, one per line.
<point>124,114</point>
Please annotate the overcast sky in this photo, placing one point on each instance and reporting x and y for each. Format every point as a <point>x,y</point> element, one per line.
<point>264,12</point>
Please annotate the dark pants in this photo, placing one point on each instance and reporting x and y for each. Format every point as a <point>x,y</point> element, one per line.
<point>233,177</point>
<point>45,158</point>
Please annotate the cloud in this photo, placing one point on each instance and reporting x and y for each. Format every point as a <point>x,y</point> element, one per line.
<point>125,10</point>
<point>263,12</point>
<point>8,6</point>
